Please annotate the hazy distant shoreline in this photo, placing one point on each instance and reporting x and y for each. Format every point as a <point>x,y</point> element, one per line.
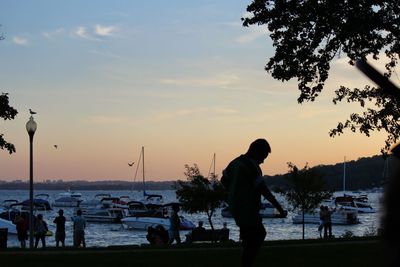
<point>87,185</point>
<point>362,174</point>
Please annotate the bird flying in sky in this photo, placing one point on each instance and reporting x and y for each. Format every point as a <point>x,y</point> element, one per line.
<point>55,146</point>
<point>32,112</point>
<point>131,164</point>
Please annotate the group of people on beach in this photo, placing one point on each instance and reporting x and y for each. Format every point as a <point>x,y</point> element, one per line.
<point>41,230</point>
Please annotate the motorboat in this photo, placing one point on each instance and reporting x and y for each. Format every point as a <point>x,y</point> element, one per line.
<point>9,213</point>
<point>66,202</point>
<point>96,201</point>
<point>103,215</point>
<point>40,202</point>
<point>357,203</point>
<point>73,194</point>
<point>139,209</point>
<point>68,199</point>
<point>12,228</point>
<point>146,215</point>
<point>152,198</point>
<point>339,216</point>
<point>142,223</point>
<point>267,211</point>
<point>7,203</point>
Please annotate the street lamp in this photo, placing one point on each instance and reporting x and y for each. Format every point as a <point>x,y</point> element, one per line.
<point>31,128</point>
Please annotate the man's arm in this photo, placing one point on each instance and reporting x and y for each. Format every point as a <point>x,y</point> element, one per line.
<point>271,198</point>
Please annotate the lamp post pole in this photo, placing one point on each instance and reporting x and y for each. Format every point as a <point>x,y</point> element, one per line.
<point>31,128</point>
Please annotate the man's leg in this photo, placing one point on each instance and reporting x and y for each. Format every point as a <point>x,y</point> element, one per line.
<point>252,239</point>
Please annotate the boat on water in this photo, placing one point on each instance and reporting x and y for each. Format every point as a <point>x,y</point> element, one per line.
<point>9,213</point>
<point>96,201</point>
<point>103,215</point>
<point>150,211</point>
<point>145,215</point>
<point>66,202</point>
<point>104,211</point>
<point>68,199</point>
<point>40,202</point>
<point>357,203</point>
<point>267,211</point>
<point>12,228</point>
<point>143,223</point>
<point>339,217</point>
<point>8,203</point>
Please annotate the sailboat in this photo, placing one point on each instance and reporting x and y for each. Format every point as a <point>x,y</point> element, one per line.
<point>343,213</point>
<point>147,198</point>
<point>150,211</point>
<point>358,203</point>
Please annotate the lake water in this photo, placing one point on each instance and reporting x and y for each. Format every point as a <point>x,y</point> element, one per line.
<point>102,235</point>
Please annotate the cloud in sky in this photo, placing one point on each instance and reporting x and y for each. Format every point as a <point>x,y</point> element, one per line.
<point>52,34</point>
<point>222,110</point>
<point>82,33</point>
<point>98,32</point>
<point>104,30</point>
<point>254,32</point>
<point>224,80</point>
<point>20,40</point>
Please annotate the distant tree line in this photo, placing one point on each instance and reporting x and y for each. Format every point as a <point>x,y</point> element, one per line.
<point>87,185</point>
<point>364,173</point>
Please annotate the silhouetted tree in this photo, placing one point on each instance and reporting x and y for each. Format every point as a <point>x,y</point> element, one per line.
<point>308,35</point>
<point>7,113</point>
<point>306,189</point>
<point>200,194</point>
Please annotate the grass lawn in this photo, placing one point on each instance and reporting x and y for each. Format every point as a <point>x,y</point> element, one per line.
<point>357,252</point>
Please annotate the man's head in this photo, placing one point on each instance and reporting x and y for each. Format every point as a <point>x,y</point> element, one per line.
<point>78,212</point>
<point>259,150</point>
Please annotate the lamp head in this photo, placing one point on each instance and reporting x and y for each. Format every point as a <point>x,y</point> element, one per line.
<point>31,126</point>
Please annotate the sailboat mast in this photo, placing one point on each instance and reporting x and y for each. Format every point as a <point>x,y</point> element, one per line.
<point>214,164</point>
<point>344,175</point>
<point>144,188</point>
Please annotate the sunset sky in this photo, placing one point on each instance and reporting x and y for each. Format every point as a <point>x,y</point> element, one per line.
<point>184,79</point>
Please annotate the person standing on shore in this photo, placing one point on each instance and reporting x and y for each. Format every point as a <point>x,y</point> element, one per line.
<point>60,228</point>
<point>328,223</point>
<point>40,231</point>
<point>244,182</point>
<point>22,229</point>
<point>174,224</point>
<point>79,229</point>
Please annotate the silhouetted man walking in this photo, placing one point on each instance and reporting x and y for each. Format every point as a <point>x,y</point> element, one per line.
<point>245,184</point>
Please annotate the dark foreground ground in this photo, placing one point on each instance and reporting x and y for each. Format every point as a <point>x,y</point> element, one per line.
<point>338,253</point>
